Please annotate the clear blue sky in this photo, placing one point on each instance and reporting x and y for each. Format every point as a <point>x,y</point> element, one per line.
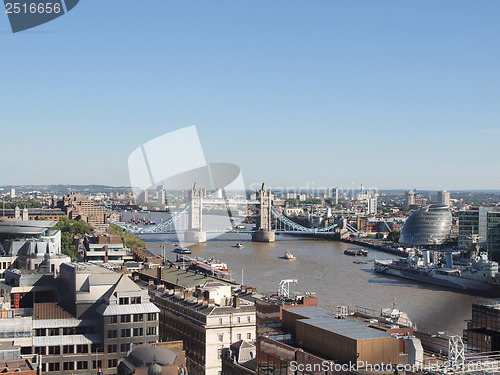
<point>392,94</point>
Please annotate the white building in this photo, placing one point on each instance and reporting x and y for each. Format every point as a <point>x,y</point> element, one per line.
<point>207,321</point>
<point>444,197</point>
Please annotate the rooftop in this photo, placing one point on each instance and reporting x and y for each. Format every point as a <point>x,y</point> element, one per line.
<point>324,319</point>
<point>29,227</point>
<point>50,310</point>
<point>186,279</point>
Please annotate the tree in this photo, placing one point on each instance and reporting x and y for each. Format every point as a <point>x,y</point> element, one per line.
<point>394,236</point>
<point>128,239</point>
<point>379,236</point>
<point>70,230</point>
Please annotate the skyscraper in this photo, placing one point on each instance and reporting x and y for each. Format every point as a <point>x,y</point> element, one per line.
<point>334,194</point>
<point>444,197</point>
<point>409,199</point>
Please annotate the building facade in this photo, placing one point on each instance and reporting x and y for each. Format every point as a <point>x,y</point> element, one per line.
<point>207,320</point>
<point>429,225</point>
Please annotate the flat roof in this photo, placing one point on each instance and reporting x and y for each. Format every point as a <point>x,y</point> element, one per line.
<point>326,320</point>
<point>26,227</point>
<point>346,327</point>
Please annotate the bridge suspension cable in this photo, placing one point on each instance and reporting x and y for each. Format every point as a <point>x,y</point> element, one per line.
<point>297,227</point>
<point>160,227</point>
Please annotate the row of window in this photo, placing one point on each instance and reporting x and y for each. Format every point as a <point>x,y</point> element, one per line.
<point>238,319</point>
<point>80,365</point>
<point>82,330</point>
<point>66,349</point>
<point>130,301</point>
<point>238,336</point>
<point>127,318</point>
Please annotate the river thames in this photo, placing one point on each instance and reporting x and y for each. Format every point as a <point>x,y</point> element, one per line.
<point>322,267</point>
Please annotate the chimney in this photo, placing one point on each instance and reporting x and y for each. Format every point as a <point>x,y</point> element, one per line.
<point>187,293</point>
<point>159,273</point>
<point>236,302</point>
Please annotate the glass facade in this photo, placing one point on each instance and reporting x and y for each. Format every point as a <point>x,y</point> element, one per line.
<point>493,234</point>
<point>472,222</point>
<point>430,225</point>
<point>483,331</point>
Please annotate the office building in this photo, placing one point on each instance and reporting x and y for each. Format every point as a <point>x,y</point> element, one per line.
<point>88,317</point>
<point>239,359</point>
<point>443,197</point>
<point>78,207</point>
<point>312,336</point>
<point>207,319</point>
<point>106,248</point>
<point>12,193</point>
<point>29,245</point>
<point>334,195</point>
<point>493,233</point>
<point>429,225</point>
<point>372,205</point>
<point>409,200</point>
<point>472,225</point>
<point>162,358</point>
<point>483,330</point>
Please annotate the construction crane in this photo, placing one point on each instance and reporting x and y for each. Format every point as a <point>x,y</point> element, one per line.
<point>284,288</point>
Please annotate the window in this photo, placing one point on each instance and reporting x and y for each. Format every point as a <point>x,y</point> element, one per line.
<point>69,331</point>
<point>40,350</point>
<point>220,320</point>
<point>82,348</point>
<point>136,300</point>
<point>238,337</point>
<point>54,350</point>
<point>138,317</point>
<point>151,316</point>
<point>40,332</point>
<point>125,319</point>
<point>249,336</point>
<point>67,349</point>
<point>150,331</point>
<point>124,347</point>
<point>112,334</point>
<point>248,319</point>
<point>219,353</point>
<point>125,332</point>
<point>112,348</point>
<point>53,331</point>
<point>138,331</point>
<point>82,365</point>
<point>112,362</point>
<point>112,319</point>
<point>54,366</point>
<point>96,364</point>
<point>221,337</point>
<point>239,319</point>
<point>68,366</point>
<point>124,301</point>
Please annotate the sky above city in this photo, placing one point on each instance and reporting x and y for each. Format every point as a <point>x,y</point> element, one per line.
<point>389,94</point>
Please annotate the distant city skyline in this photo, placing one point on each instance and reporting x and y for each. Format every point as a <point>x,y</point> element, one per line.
<point>395,95</point>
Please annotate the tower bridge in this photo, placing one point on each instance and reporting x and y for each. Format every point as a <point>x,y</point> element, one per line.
<point>269,220</point>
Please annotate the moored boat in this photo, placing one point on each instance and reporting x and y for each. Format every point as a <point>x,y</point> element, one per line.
<point>356,252</point>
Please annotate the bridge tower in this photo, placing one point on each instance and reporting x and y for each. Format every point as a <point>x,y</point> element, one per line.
<point>264,232</point>
<point>195,233</point>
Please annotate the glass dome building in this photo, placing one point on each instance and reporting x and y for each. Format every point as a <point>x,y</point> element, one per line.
<point>429,225</point>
